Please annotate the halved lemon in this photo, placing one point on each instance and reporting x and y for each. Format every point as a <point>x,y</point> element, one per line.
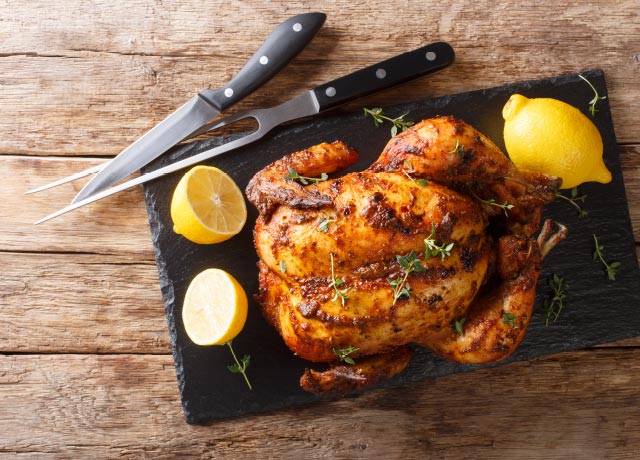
<point>207,206</point>
<point>215,308</point>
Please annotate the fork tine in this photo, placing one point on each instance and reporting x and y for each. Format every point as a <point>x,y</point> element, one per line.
<point>211,126</point>
<point>216,124</point>
<point>64,180</point>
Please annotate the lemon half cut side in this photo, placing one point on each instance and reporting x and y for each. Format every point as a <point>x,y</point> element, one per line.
<point>552,137</point>
<point>215,308</point>
<point>207,206</point>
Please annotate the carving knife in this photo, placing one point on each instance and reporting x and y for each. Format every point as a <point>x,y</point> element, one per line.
<point>399,69</point>
<point>283,44</point>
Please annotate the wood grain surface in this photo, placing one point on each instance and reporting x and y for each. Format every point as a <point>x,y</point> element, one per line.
<point>85,363</point>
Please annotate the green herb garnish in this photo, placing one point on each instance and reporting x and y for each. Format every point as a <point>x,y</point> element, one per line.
<point>409,263</point>
<point>407,172</point>
<point>492,202</point>
<point>458,149</point>
<point>293,175</point>
<point>343,354</point>
<point>458,325</point>
<point>610,268</point>
<point>596,98</point>
<point>336,284</point>
<point>573,199</point>
<point>398,123</point>
<point>509,319</point>
<point>434,249</point>
<point>239,366</point>
<point>554,305</point>
<point>282,266</point>
<point>323,225</point>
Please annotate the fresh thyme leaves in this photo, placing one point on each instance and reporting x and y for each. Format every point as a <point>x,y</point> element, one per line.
<point>398,123</point>
<point>492,202</point>
<point>573,199</point>
<point>596,98</point>
<point>610,268</point>
<point>343,354</point>
<point>434,249</point>
<point>282,266</point>
<point>409,263</point>
<point>458,325</point>
<point>554,305</point>
<point>509,319</point>
<point>408,169</point>
<point>336,284</point>
<point>239,366</point>
<point>458,149</point>
<point>293,175</point>
<point>323,225</point>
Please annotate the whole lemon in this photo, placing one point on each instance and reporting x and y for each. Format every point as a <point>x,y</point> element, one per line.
<point>552,137</point>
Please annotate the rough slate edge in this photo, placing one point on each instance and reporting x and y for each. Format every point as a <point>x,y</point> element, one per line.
<point>424,365</point>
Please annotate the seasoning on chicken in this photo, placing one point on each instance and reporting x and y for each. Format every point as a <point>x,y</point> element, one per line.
<point>431,245</point>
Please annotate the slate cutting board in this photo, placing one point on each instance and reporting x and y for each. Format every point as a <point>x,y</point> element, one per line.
<point>597,310</point>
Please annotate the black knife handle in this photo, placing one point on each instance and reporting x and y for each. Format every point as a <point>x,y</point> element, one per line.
<point>284,43</point>
<point>398,69</point>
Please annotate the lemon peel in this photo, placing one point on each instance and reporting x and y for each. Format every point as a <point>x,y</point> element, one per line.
<point>215,308</point>
<point>207,206</point>
<point>552,137</point>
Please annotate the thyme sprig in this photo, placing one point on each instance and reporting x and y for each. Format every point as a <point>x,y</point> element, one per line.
<point>458,325</point>
<point>408,169</point>
<point>553,305</point>
<point>493,202</point>
<point>398,122</point>
<point>409,263</point>
<point>596,97</point>
<point>323,225</point>
<point>458,149</point>
<point>343,354</point>
<point>293,175</point>
<point>239,366</point>
<point>509,319</point>
<point>573,199</point>
<point>434,249</point>
<point>610,268</point>
<point>336,284</point>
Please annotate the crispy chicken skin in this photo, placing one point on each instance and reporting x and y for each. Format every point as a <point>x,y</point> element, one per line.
<point>329,252</point>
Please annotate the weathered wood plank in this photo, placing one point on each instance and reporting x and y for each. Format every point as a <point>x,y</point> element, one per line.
<point>90,77</point>
<point>117,224</point>
<point>80,304</point>
<point>577,405</point>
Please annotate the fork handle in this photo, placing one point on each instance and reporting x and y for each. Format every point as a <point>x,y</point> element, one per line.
<point>281,46</point>
<point>399,69</point>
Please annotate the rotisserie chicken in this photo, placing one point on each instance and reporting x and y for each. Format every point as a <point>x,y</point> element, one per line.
<point>432,245</point>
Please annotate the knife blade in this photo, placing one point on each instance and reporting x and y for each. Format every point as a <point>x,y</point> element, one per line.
<point>399,69</point>
<point>285,42</point>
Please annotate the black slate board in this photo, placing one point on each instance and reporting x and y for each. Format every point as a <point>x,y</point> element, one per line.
<point>597,310</point>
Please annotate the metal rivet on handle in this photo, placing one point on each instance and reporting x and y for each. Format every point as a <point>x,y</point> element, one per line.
<point>381,73</point>
<point>330,91</point>
<point>431,56</point>
<point>228,92</point>
<point>264,60</point>
<point>297,27</point>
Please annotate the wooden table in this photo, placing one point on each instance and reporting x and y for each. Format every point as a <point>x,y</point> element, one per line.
<point>85,367</point>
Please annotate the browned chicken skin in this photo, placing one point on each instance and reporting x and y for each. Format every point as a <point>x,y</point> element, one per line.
<point>333,254</point>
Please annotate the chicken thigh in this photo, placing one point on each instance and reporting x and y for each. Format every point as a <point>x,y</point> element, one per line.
<point>431,245</point>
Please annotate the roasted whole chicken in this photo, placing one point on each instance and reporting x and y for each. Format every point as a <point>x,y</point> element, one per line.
<point>432,245</point>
